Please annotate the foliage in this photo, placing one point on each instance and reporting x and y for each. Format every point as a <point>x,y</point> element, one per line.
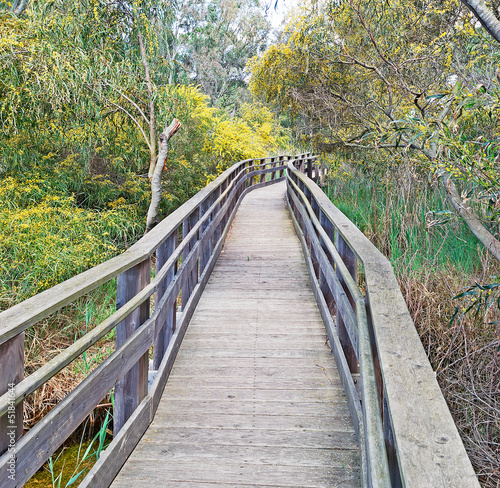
<point>73,136</point>
<point>209,44</point>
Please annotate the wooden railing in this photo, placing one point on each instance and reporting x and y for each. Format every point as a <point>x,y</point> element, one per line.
<point>406,433</point>
<point>185,247</point>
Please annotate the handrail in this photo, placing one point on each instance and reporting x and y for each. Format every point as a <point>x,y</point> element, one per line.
<point>406,433</point>
<point>181,270</point>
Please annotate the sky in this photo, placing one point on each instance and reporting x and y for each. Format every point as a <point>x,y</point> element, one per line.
<point>276,15</point>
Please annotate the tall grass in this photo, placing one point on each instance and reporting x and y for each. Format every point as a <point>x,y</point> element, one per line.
<point>435,257</point>
<point>411,222</point>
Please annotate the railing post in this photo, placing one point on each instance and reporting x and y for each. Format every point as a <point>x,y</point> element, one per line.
<point>322,172</point>
<point>192,279</point>
<point>325,289</point>
<point>309,167</point>
<point>263,167</point>
<point>165,324</point>
<point>273,165</point>
<point>349,259</point>
<point>250,169</point>
<point>11,373</point>
<point>133,387</point>
<point>207,250</point>
<point>281,163</point>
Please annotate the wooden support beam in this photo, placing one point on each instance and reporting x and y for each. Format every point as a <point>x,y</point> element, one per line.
<point>133,387</point>
<point>165,324</point>
<point>350,261</point>
<point>11,373</point>
<point>188,224</point>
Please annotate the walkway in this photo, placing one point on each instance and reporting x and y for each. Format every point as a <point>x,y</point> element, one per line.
<point>254,398</point>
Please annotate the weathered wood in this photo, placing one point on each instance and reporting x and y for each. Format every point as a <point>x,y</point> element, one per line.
<point>264,475</point>
<point>114,456</point>
<point>34,448</point>
<point>133,387</point>
<point>49,369</point>
<point>429,449</point>
<point>165,324</point>
<point>263,168</point>
<point>345,338</point>
<point>11,374</point>
<point>191,405</point>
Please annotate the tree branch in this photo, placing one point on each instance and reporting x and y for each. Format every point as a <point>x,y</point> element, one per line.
<point>156,179</point>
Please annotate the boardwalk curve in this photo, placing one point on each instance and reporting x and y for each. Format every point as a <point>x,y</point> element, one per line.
<point>254,397</point>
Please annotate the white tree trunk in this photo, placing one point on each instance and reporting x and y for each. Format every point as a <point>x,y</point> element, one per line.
<point>156,179</point>
<point>485,16</point>
<point>470,218</point>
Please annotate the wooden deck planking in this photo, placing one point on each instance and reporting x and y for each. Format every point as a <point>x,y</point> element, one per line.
<point>254,397</point>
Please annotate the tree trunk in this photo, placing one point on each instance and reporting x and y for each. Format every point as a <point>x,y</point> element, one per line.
<point>470,218</point>
<point>485,16</point>
<point>156,179</point>
<point>152,123</point>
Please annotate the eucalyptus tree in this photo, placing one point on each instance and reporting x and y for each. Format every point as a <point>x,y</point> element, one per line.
<point>209,44</point>
<point>393,76</point>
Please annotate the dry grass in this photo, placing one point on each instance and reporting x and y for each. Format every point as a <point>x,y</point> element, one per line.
<point>466,357</point>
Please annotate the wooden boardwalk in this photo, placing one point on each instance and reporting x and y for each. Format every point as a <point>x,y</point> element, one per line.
<point>254,398</point>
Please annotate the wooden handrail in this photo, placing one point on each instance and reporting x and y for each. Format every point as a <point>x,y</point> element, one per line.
<point>422,444</point>
<point>203,222</point>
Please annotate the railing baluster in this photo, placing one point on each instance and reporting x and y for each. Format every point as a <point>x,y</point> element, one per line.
<point>133,387</point>
<point>188,224</point>
<point>165,324</point>
<point>11,373</point>
<point>263,167</point>
<point>207,251</point>
<point>349,259</point>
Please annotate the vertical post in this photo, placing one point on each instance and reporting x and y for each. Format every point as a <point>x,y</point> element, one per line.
<point>273,165</point>
<point>250,169</point>
<point>301,165</point>
<point>207,250</point>
<point>322,171</point>
<point>165,324</point>
<point>11,373</point>
<point>133,387</point>
<point>309,167</point>
<point>349,259</point>
<point>263,167</point>
<point>330,231</point>
<point>187,225</point>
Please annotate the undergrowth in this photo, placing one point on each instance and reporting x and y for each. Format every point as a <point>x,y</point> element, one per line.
<point>435,258</point>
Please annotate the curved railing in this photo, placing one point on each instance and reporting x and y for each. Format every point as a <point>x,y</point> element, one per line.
<point>406,433</point>
<point>184,248</point>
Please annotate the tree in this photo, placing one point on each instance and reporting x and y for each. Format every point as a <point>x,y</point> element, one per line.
<point>415,70</point>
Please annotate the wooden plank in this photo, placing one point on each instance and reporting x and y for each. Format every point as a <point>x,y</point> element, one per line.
<point>305,477</point>
<point>308,439</point>
<point>335,420</point>
<point>133,387</point>
<point>256,455</point>
<point>11,373</point>
<point>270,408</point>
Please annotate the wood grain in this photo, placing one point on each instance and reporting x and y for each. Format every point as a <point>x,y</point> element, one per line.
<point>254,395</point>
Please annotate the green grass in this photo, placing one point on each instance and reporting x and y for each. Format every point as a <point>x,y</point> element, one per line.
<point>413,229</point>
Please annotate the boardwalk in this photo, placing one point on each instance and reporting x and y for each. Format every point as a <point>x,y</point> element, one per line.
<point>254,398</point>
